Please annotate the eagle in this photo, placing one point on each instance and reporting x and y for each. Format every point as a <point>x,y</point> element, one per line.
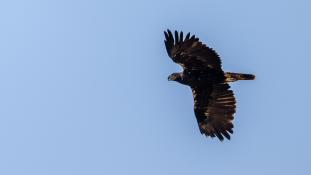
<point>214,102</point>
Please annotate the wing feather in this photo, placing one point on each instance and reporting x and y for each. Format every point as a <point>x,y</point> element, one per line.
<point>190,53</point>
<point>214,107</point>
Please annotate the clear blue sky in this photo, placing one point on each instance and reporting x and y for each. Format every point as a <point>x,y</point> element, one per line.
<point>84,88</point>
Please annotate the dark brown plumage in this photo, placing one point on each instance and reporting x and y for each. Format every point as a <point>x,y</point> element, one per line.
<point>214,102</point>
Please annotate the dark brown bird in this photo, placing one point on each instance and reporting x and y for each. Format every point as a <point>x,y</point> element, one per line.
<point>214,102</point>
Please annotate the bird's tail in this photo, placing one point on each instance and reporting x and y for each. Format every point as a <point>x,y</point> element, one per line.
<point>231,77</point>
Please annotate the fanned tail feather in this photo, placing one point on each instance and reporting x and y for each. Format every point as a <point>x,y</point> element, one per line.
<point>231,77</point>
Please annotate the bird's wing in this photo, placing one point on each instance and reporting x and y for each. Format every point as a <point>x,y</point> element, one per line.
<point>214,108</point>
<point>189,52</point>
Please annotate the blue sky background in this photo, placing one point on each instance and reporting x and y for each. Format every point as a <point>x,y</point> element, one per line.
<point>84,87</point>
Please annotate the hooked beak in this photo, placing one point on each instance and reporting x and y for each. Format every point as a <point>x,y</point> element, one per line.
<point>170,78</point>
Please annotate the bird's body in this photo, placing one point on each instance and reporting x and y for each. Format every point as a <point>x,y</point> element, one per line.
<point>214,103</point>
<point>201,77</point>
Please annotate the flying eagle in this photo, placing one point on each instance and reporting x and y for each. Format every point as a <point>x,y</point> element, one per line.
<point>214,102</point>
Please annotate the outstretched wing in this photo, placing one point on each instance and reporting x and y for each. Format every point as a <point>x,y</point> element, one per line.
<point>190,53</point>
<point>214,107</point>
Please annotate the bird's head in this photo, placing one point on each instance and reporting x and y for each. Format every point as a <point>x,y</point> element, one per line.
<point>175,77</point>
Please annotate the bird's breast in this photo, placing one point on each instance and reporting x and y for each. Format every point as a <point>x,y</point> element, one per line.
<point>201,78</point>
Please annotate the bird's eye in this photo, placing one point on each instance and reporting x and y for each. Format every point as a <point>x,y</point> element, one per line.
<point>177,55</point>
